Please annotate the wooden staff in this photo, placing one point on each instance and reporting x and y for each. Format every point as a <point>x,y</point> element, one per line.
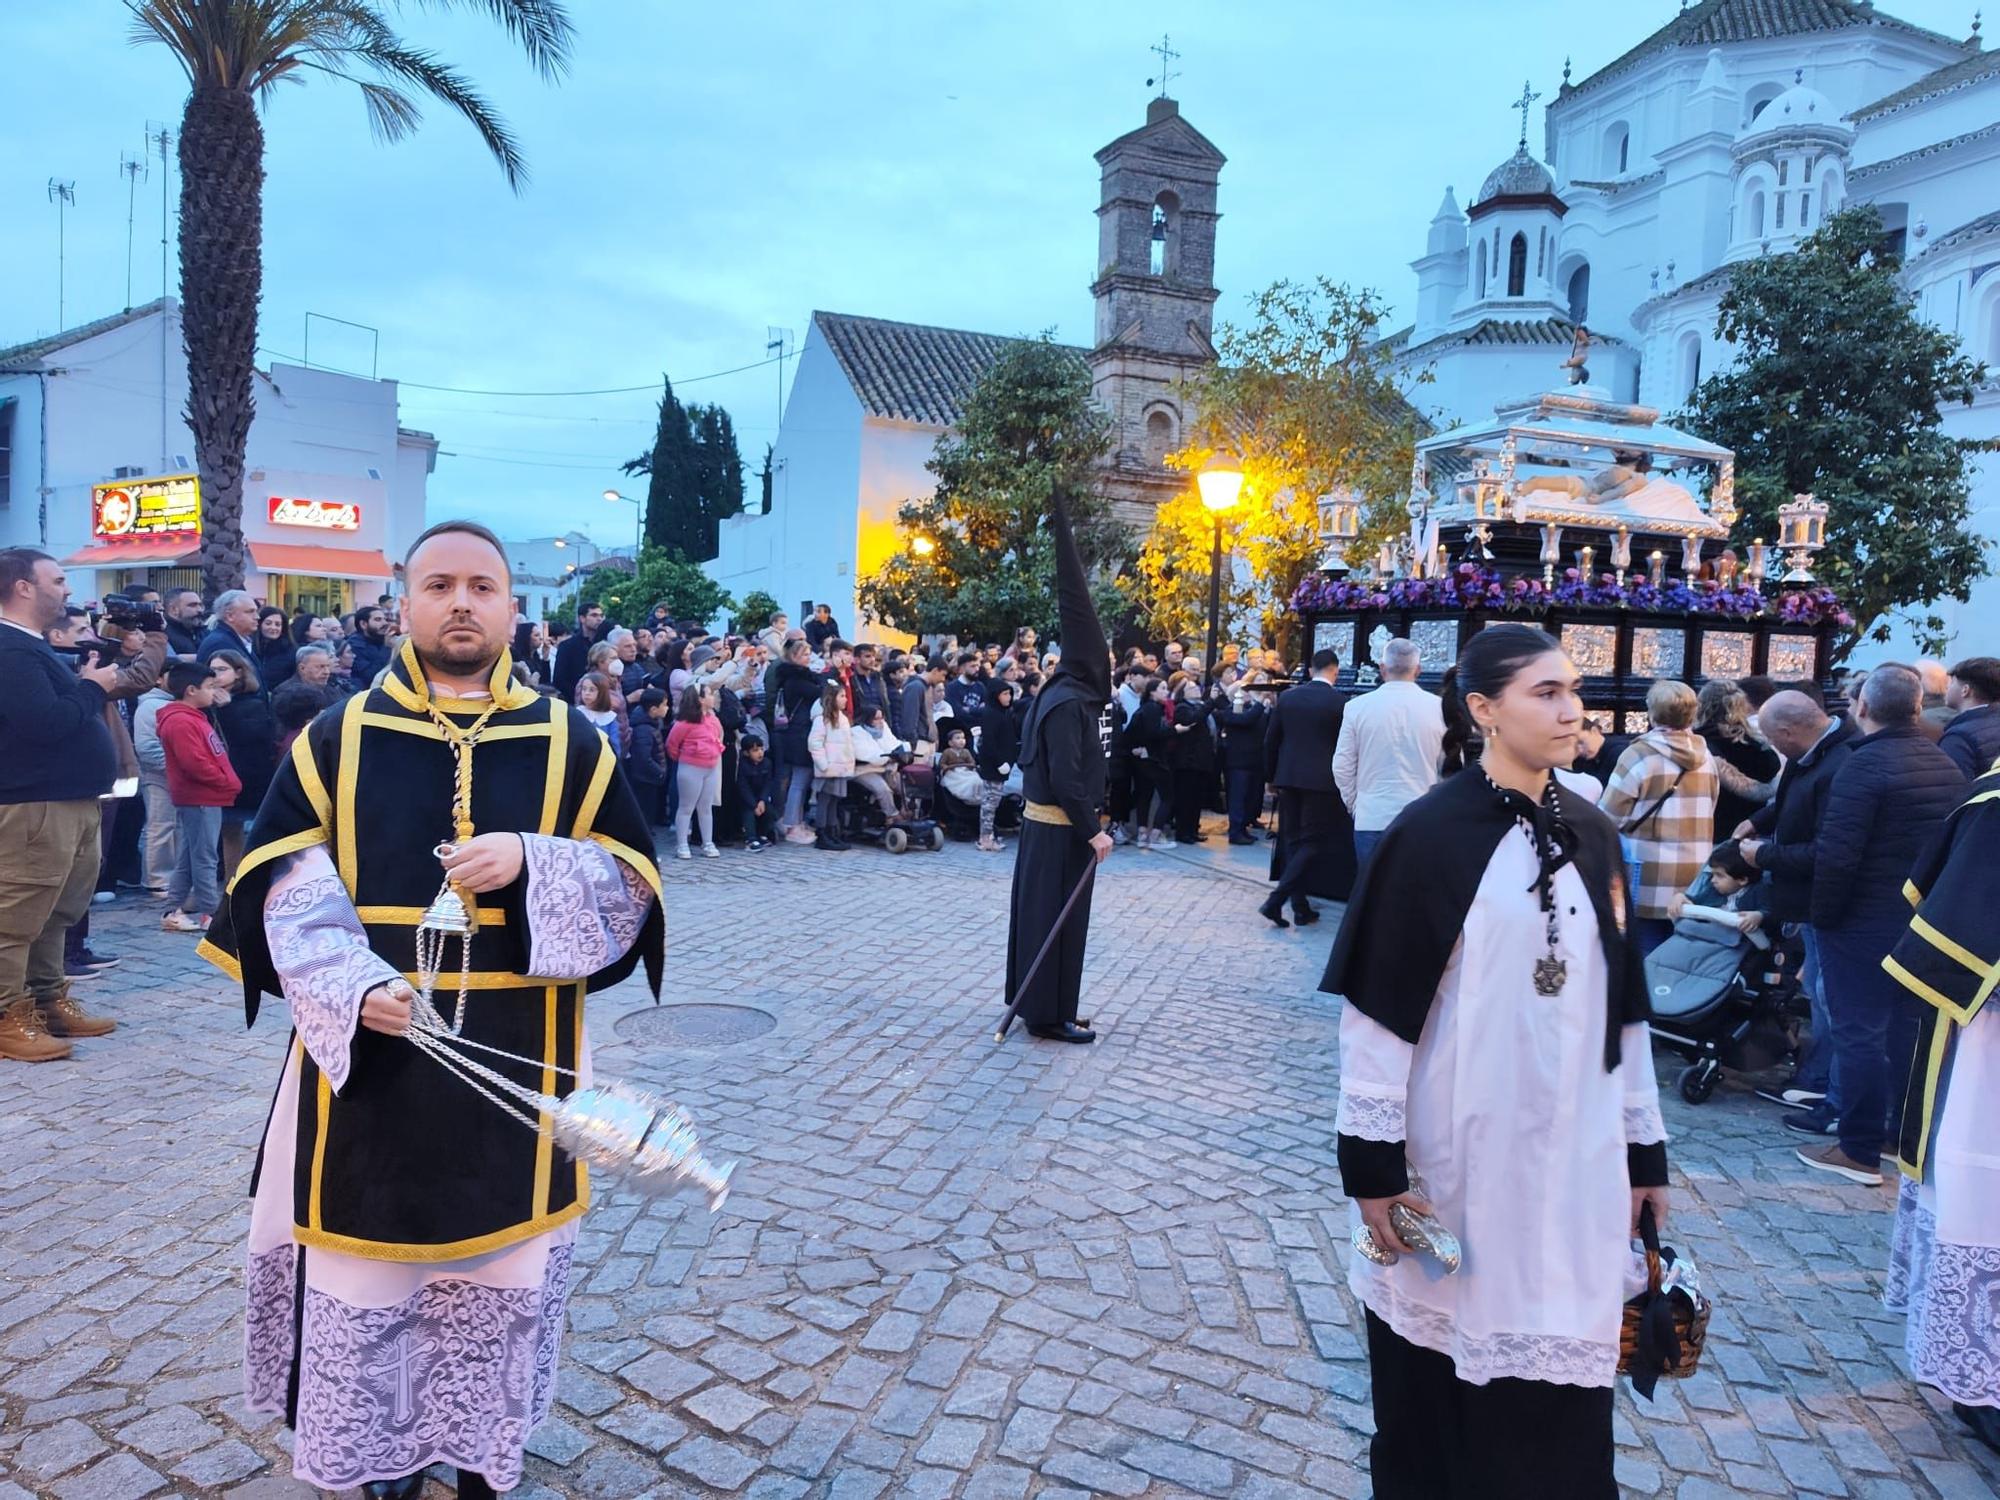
<point>1048,943</point>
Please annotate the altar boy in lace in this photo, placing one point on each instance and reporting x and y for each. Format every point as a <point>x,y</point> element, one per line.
<point>1494,1042</point>
<point>1944,1263</point>
<point>410,1240</point>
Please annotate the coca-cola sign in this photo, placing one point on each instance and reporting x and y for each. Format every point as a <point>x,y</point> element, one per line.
<point>320,515</point>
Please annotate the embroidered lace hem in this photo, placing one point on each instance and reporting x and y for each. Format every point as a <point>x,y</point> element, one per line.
<point>1553,1359</point>
<point>1950,1293</point>
<point>1370,1117</point>
<point>1644,1125</point>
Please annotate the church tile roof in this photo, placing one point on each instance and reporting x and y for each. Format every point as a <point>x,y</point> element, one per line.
<point>1713,23</point>
<point>1986,224</point>
<point>1948,79</point>
<point>1493,332</point>
<point>1933,148</point>
<point>911,372</point>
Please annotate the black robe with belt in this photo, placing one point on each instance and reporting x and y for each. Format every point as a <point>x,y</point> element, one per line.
<point>1063,777</point>
<point>407,1162</point>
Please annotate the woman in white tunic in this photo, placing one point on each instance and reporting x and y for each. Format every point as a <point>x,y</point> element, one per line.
<point>1494,1044</point>
<point>1944,1262</point>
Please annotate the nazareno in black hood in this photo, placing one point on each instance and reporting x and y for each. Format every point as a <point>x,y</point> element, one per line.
<point>1086,654</point>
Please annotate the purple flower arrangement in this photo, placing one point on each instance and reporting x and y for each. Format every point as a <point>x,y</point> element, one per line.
<point>1470,586</point>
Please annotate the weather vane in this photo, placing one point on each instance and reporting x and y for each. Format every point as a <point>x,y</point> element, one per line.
<point>1524,104</point>
<point>1168,57</point>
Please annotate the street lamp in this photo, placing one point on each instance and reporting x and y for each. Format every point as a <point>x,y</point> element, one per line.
<point>1221,485</point>
<point>638,530</point>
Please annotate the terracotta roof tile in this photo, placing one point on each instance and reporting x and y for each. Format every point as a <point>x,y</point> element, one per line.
<point>26,356</point>
<point>910,372</point>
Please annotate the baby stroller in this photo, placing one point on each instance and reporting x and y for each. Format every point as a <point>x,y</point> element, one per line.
<point>1724,998</point>
<point>861,819</point>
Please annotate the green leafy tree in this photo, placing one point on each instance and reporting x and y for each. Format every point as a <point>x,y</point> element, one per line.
<point>688,593</point>
<point>695,475</point>
<point>754,613</point>
<point>976,559</point>
<point>1305,398</point>
<point>1837,390</point>
<point>233,52</point>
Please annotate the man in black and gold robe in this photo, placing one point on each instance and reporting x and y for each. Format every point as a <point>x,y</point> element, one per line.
<point>1063,779</point>
<point>396,1206</point>
<point>1944,1261</point>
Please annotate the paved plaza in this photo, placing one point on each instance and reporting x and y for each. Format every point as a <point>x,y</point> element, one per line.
<point>950,1268</point>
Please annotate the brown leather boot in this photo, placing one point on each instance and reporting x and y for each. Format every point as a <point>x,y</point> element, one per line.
<point>64,1017</point>
<point>24,1038</point>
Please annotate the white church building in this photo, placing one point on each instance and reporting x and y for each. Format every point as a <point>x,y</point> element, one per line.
<point>1730,132</point>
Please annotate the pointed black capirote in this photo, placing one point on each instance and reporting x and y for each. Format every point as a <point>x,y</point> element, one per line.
<point>1086,655</point>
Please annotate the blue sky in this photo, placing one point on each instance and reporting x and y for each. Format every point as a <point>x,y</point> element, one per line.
<point>708,172</point>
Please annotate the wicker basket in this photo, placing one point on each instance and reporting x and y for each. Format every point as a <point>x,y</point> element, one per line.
<point>1690,1317</point>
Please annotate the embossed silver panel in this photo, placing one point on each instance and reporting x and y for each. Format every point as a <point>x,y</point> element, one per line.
<point>1793,657</point>
<point>1436,642</point>
<point>1658,653</point>
<point>1378,642</point>
<point>1594,648</point>
<point>1336,636</point>
<point>1725,653</point>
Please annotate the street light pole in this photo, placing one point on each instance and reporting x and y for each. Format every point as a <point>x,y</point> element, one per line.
<point>638,527</point>
<point>1220,483</point>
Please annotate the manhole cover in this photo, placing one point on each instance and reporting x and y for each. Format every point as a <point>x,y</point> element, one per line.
<point>695,1025</point>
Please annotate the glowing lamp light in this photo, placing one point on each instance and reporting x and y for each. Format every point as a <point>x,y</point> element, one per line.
<point>1220,482</point>
<point>923,546</point>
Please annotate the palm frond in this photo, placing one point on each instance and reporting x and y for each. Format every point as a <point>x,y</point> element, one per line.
<point>423,71</point>
<point>542,28</point>
<point>392,114</point>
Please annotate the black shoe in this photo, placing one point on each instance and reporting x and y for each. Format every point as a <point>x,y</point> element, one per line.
<point>473,1486</point>
<point>1084,1023</point>
<point>407,1488</point>
<point>95,960</point>
<point>1275,915</point>
<point>1305,916</point>
<point>1811,1122</point>
<point>1241,838</point>
<point>821,841</point>
<point>1983,1420</point>
<point>1067,1032</point>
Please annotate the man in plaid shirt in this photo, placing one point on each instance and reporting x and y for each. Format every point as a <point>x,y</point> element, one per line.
<point>1662,797</point>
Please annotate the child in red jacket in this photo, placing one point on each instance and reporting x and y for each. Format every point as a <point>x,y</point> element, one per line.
<point>201,782</point>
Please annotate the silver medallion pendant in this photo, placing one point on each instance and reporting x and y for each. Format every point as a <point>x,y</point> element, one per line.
<point>1550,972</point>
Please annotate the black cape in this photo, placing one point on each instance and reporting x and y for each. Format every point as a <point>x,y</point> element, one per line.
<point>1412,897</point>
<point>1948,956</point>
<point>405,1162</point>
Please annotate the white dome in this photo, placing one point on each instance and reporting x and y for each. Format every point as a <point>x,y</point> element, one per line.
<point>1519,176</point>
<point>1796,108</point>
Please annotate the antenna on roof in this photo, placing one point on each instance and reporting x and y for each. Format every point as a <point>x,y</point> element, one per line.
<point>63,195</point>
<point>135,171</point>
<point>778,341</point>
<point>1168,57</point>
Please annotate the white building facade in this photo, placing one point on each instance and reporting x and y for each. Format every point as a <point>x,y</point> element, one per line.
<point>1731,132</point>
<point>98,469</point>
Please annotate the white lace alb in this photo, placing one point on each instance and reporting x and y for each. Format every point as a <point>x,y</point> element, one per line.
<point>1369,1117</point>
<point>1952,1295</point>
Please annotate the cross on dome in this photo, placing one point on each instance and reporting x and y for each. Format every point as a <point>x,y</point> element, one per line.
<point>1524,104</point>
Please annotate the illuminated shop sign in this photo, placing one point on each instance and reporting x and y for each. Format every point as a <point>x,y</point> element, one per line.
<point>169,505</point>
<point>317,515</point>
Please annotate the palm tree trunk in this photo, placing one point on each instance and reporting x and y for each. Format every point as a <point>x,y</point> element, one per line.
<point>222,281</point>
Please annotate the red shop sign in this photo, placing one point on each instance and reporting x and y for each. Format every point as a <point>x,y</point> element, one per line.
<point>320,515</point>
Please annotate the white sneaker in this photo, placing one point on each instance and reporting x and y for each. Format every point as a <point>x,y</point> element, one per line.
<point>177,920</point>
<point>1165,844</point>
<point>682,853</point>
<point>709,851</point>
<point>1119,837</point>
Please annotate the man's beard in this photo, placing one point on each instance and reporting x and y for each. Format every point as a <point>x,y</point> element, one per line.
<point>459,658</point>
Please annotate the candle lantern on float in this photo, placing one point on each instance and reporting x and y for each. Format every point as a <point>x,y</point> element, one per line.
<point>1801,533</point>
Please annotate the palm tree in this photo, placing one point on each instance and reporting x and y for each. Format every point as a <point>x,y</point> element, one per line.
<point>234,51</point>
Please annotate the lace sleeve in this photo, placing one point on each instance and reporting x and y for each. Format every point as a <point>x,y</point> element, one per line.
<point>322,957</point>
<point>585,907</point>
<point>1374,1079</point>
<point>1644,1125</point>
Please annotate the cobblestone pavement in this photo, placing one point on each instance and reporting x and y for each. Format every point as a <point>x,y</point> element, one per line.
<point>951,1268</point>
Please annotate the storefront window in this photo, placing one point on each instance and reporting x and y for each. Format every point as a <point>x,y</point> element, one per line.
<point>320,596</point>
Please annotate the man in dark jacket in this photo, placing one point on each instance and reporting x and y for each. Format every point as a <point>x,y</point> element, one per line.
<point>1312,820</point>
<point>1242,716</point>
<point>866,686</point>
<point>1972,737</point>
<point>235,626</point>
<point>60,759</point>
<point>183,611</point>
<point>372,629</point>
<point>1885,805</point>
<point>573,655</point>
<point>1782,837</point>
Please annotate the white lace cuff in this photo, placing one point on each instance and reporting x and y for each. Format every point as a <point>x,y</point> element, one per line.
<point>1369,1117</point>
<point>1643,1123</point>
<point>585,907</point>
<point>321,954</point>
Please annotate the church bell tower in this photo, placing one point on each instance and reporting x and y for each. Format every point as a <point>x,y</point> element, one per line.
<point>1155,297</point>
